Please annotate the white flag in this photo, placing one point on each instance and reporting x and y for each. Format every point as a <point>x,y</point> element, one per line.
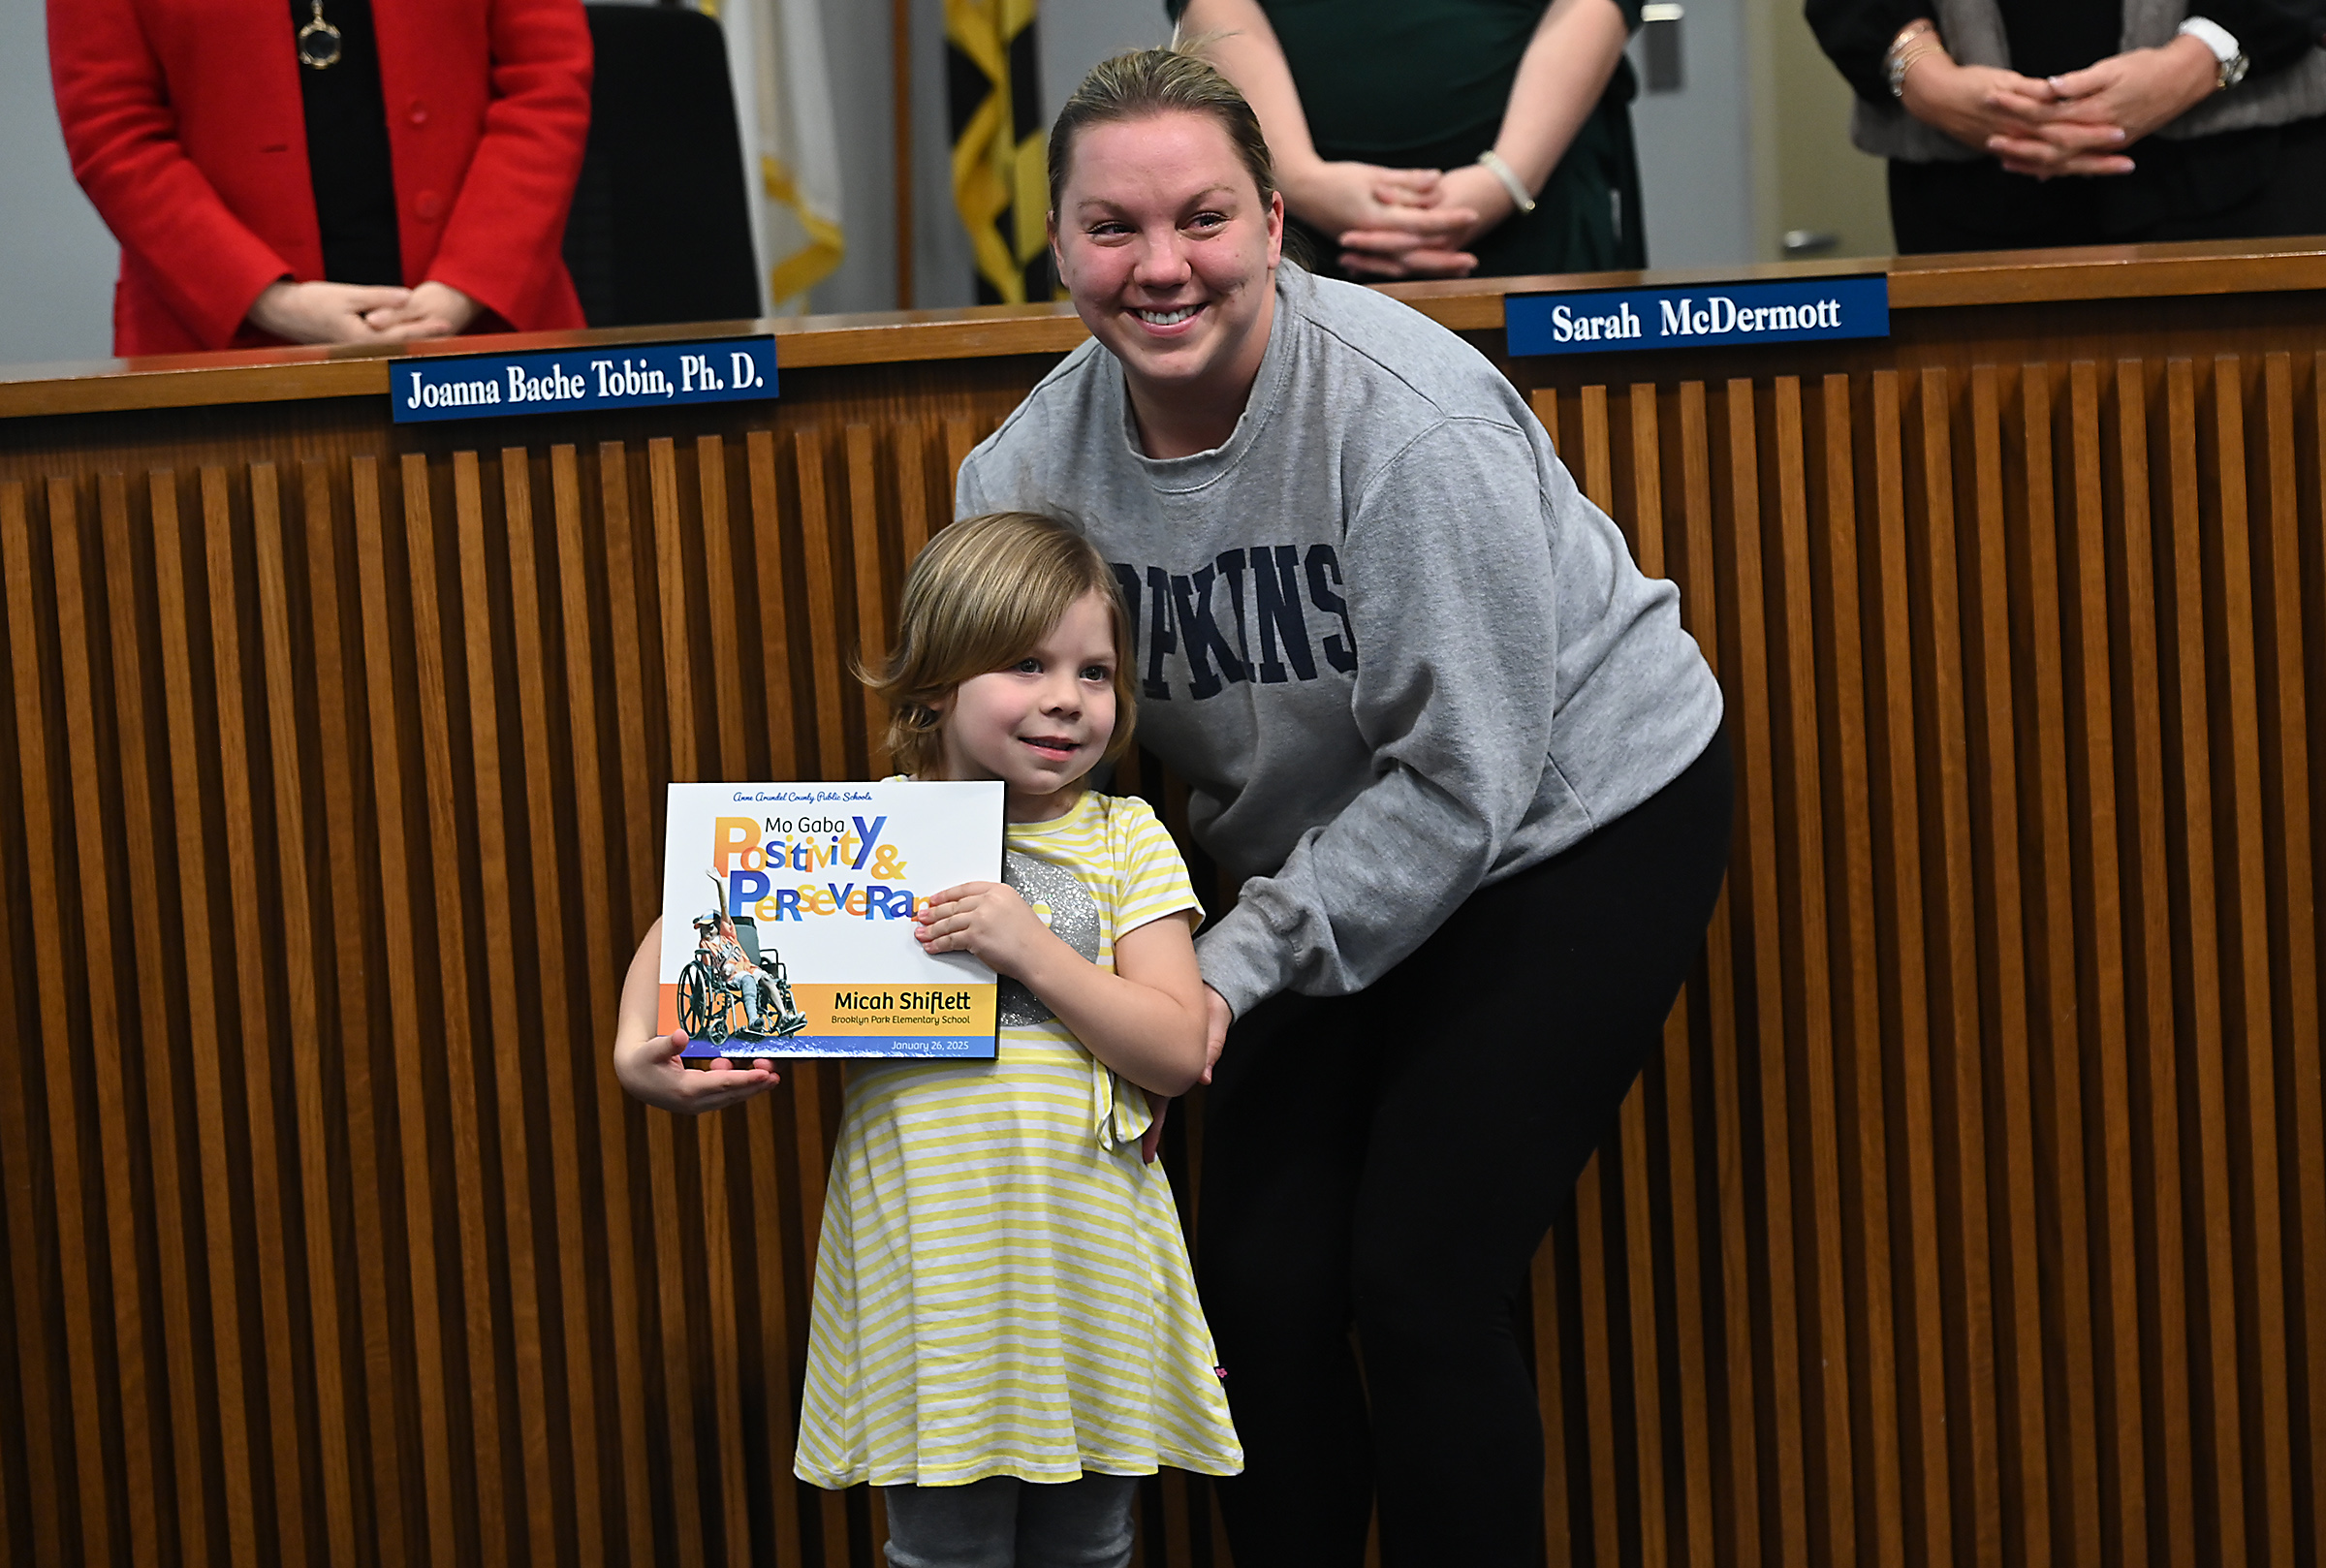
<point>784,92</point>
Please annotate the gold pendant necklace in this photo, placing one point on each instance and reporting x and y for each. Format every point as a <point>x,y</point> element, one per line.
<point>318,41</point>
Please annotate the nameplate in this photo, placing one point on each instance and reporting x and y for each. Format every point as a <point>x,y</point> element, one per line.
<point>573,381</point>
<point>1700,315</point>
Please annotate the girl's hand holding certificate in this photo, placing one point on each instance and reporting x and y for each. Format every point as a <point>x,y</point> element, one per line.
<point>991,922</point>
<point>1146,1019</point>
<point>649,1064</point>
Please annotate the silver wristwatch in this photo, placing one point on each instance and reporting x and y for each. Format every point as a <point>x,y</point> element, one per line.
<point>2227,55</point>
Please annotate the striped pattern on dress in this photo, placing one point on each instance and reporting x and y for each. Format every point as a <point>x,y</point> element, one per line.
<point>1002,1287</point>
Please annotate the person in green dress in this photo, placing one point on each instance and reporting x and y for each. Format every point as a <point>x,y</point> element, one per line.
<point>1442,137</point>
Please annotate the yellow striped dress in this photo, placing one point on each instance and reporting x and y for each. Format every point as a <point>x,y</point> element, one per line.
<point>1002,1286</point>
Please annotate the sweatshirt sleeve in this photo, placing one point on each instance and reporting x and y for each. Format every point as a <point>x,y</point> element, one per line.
<point>1452,607</point>
<point>968,485</point>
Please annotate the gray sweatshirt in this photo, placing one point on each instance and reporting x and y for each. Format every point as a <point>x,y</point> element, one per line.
<point>1393,650</point>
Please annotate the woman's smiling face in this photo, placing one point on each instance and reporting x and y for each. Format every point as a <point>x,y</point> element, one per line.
<point>1170,254</point>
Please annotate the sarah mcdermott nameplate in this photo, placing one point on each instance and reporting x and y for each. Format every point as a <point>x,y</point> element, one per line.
<point>1697,315</point>
<point>570,380</point>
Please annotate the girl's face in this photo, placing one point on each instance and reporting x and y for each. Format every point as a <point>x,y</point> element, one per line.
<point>1042,723</point>
<point>1171,255</point>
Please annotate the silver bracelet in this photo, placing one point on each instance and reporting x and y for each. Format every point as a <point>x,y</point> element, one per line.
<point>1914,40</point>
<point>1492,162</point>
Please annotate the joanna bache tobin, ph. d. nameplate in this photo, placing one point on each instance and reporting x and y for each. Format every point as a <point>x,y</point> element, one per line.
<point>1701,315</point>
<point>572,381</point>
<point>787,924</point>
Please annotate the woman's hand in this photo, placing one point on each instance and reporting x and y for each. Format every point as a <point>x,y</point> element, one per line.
<point>326,312</point>
<point>988,920</point>
<point>361,312</point>
<point>652,1069</point>
<point>1385,220</point>
<point>432,310</point>
<point>1347,195</point>
<point>2020,119</point>
<point>1471,193</point>
<point>2139,92</point>
<point>1217,1015</point>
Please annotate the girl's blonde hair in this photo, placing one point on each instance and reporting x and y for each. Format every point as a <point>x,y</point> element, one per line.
<point>978,598</point>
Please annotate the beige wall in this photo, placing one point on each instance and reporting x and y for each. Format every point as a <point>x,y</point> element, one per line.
<point>1809,175</point>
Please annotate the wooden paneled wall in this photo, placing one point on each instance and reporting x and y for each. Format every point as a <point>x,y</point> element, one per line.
<point>1976,1212</point>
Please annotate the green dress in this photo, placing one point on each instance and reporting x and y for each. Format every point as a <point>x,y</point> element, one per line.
<point>1423,83</point>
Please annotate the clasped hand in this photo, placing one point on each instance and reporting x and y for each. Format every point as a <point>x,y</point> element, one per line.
<point>361,312</point>
<point>2080,123</point>
<point>1398,223</point>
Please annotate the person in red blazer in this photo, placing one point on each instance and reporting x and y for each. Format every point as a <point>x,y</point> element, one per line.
<point>185,125</point>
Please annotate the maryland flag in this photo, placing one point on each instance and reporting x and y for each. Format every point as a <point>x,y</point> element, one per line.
<point>999,185</point>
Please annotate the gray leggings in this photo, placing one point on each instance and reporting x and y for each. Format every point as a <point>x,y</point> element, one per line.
<point>1004,1523</point>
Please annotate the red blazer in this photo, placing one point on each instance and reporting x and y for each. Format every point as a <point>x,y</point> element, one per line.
<point>186,127</point>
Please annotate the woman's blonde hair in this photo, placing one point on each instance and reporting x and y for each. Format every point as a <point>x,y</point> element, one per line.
<point>983,594</point>
<point>1141,83</point>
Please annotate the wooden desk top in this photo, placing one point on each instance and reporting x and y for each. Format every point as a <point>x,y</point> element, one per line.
<point>1916,283</point>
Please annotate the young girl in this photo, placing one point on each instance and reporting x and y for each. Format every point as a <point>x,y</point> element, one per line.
<point>1005,1331</point>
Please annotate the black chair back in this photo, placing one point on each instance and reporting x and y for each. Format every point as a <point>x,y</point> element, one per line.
<point>660,229</point>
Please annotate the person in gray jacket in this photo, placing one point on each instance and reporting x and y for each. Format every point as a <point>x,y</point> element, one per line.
<point>2013,123</point>
<point>1462,752</point>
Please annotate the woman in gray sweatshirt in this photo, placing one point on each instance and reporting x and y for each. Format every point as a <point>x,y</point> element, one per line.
<point>1461,751</point>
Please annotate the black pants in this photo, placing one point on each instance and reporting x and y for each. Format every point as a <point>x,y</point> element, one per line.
<point>2256,184</point>
<point>1392,1160</point>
